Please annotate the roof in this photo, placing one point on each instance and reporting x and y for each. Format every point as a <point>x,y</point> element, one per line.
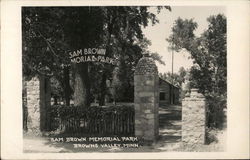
<point>166,81</point>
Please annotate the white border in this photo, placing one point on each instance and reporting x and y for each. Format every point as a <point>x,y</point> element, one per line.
<point>238,16</point>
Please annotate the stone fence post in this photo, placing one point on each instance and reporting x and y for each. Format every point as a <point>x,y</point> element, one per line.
<point>38,101</point>
<point>193,119</point>
<point>146,98</point>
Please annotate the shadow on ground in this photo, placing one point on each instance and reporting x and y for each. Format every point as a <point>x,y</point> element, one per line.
<point>169,138</point>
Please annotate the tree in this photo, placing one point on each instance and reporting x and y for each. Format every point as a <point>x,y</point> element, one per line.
<point>44,47</point>
<point>123,75</point>
<point>116,86</point>
<point>49,33</point>
<point>124,37</point>
<point>176,78</point>
<point>56,90</point>
<point>209,74</point>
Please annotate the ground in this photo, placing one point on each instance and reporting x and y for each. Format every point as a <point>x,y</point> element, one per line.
<point>169,139</point>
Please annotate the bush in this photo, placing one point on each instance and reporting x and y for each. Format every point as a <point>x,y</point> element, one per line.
<point>215,111</point>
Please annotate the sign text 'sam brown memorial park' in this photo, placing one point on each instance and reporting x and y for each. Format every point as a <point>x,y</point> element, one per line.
<point>90,55</point>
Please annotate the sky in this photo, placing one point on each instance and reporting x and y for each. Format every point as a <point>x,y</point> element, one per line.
<point>158,33</point>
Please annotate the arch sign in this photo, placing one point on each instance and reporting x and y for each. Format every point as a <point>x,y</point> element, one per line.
<point>91,55</point>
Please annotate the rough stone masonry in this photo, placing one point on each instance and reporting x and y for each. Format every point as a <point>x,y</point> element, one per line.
<point>38,100</point>
<point>193,119</point>
<point>146,99</point>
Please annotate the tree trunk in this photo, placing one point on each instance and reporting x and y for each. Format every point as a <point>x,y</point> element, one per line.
<point>115,97</point>
<point>82,86</point>
<point>55,100</point>
<point>103,90</point>
<point>67,90</point>
<point>104,75</point>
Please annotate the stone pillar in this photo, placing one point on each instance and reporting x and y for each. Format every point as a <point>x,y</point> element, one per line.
<point>193,119</point>
<point>38,102</point>
<point>146,100</point>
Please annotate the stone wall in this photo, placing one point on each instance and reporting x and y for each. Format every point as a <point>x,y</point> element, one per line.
<point>146,82</point>
<point>38,101</point>
<point>193,119</point>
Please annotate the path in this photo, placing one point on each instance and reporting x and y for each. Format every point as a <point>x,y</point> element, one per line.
<point>169,127</point>
<point>169,139</point>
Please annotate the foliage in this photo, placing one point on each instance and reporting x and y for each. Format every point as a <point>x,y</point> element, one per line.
<point>94,119</point>
<point>65,112</point>
<point>40,33</point>
<point>128,44</point>
<point>209,74</point>
<point>56,87</point>
<point>176,78</point>
<point>116,86</point>
<point>49,33</point>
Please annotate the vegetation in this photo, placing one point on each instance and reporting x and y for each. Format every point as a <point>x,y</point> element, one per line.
<point>209,74</point>
<point>176,78</point>
<point>49,33</point>
<point>112,120</point>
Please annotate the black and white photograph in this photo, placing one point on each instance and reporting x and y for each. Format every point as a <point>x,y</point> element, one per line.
<point>125,79</point>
